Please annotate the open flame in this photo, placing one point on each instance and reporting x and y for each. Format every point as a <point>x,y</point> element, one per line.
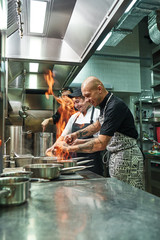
<point>66,110</point>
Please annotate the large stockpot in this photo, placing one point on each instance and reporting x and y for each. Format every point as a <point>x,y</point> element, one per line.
<point>42,141</point>
<point>16,142</point>
<point>51,171</point>
<point>20,141</point>
<point>14,190</point>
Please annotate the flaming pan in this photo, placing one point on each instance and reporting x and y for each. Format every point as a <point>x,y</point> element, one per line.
<point>51,171</point>
<point>72,162</point>
<point>45,159</point>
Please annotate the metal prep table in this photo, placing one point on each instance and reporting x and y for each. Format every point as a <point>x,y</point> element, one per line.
<point>101,208</point>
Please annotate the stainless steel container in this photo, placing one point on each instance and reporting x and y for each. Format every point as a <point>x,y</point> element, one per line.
<point>16,142</point>
<point>14,190</point>
<point>26,174</point>
<point>42,141</point>
<point>22,160</point>
<point>20,141</point>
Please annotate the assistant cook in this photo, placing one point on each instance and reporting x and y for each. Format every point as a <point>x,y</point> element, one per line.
<point>85,116</point>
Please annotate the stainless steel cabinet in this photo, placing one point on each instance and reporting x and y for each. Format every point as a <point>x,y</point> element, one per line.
<point>152,170</point>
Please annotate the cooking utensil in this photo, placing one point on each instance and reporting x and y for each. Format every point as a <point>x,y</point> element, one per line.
<point>46,171</point>
<point>50,171</point>
<point>37,160</point>
<point>71,170</point>
<point>72,163</point>
<point>26,174</point>
<point>42,141</point>
<point>23,160</point>
<point>14,190</point>
<point>23,174</point>
<point>23,114</point>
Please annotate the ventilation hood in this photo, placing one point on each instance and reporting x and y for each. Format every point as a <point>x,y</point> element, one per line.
<point>130,19</point>
<point>73,29</point>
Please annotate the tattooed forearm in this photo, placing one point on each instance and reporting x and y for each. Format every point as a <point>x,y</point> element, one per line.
<point>86,147</point>
<point>100,141</point>
<point>83,134</point>
<point>89,131</point>
<point>92,145</point>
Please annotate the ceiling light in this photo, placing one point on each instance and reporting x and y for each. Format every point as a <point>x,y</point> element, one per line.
<point>33,82</point>
<point>33,67</point>
<point>37,16</point>
<point>130,6</point>
<point>104,41</point>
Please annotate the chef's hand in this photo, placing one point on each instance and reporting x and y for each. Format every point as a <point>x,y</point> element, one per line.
<point>45,123</point>
<point>78,141</point>
<point>57,147</point>
<point>49,151</point>
<point>61,147</point>
<point>69,139</point>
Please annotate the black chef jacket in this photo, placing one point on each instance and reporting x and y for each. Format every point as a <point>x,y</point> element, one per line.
<point>117,118</point>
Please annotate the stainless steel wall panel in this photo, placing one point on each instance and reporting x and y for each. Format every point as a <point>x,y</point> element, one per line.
<point>86,19</point>
<point>39,49</point>
<point>39,102</point>
<point>60,14</point>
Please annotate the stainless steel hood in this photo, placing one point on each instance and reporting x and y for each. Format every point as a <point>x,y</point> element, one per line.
<point>73,30</point>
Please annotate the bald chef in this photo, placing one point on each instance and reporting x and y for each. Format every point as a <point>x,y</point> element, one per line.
<point>117,133</point>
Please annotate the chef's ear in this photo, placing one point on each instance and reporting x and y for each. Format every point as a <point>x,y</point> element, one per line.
<point>99,88</point>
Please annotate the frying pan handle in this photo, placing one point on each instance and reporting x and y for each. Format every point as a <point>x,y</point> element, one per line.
<point>88,166</point>
<point>75,169</point>
<point>38,180</point>
<point>5,192</point>
<point>85,161</point>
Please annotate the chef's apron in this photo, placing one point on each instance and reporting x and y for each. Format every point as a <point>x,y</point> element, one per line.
<point>126,159</point>
<point>98,166</point>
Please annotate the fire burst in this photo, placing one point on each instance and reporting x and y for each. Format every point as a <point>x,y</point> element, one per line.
<point>66,108</point>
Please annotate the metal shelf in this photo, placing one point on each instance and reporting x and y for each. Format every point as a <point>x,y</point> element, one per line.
<point>156,87</point>
<point>143,101</point>
<point>156,67</point>
<point>156,101</point>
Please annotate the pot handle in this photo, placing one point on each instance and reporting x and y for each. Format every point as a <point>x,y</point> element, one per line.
<point>5,192</point>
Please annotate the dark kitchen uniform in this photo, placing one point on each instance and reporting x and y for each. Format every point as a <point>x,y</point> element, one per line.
<point>98,166</point>
<point>56,117</point>
<point>126,159</point>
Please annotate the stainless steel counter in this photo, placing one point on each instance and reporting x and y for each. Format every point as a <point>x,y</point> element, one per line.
<point>101,208</point>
